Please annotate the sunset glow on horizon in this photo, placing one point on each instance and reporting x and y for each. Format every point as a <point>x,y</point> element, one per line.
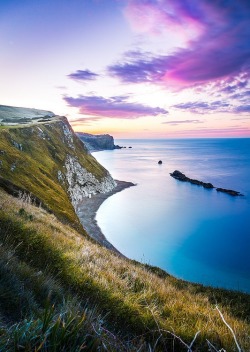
<point>131,68</point>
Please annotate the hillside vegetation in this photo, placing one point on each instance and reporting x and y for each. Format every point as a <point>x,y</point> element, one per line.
<point>33,157</point>
<point>61,292</point>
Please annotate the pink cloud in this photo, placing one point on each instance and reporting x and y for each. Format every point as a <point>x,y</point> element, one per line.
<point>218,46</point>
<point>157,17</point>
<point>113,107</point>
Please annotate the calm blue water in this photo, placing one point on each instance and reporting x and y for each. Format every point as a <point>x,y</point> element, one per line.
<point>193,233</point>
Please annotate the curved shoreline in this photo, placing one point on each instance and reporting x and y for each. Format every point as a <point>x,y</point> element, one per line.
<point>87,209</point>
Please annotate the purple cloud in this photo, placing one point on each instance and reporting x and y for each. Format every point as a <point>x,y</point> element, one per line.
<point>204,107</point>
<point>83,75</point>
<point>218,48</point>
<point>141,69</point>
<point>242,96</point>
<point>242,108</point>
<point>113,107</point>
<point>232,88</point>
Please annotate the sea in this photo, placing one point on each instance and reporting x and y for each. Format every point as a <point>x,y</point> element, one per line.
<point>195,234</point>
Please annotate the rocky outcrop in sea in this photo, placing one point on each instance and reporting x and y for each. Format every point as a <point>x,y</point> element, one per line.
<point>182,177</point>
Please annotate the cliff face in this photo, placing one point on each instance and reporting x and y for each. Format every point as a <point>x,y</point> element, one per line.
<point>46,159</point>
<point>97,142</point>
<point>82,183</point>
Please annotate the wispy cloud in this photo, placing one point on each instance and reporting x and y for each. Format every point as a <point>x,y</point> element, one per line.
<point>84,121</point>
<point>113,107</point>
<point>139,68</point>
<point>204,107</point>
<point>199,107</point>
<point>240,118</point>
<point>177,122</point>
<point>218,46</point>
<point>242,108</point>
<point>242,96</point>
<point>232,88</point>
<point>83,75</point>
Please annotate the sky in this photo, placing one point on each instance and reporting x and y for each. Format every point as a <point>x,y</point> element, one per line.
<point>130,68</point>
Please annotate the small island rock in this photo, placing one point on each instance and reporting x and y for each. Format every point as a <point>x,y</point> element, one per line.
<point>159,162</point>
<point>229,191</point>
<point>181,177</point>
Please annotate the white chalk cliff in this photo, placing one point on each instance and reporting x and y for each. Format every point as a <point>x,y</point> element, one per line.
<point>82,183</point>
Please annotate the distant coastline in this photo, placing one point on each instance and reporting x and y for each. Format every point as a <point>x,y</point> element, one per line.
<point>96,143</point>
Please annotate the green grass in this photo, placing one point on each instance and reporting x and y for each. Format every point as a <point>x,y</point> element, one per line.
<point>53,270</point>
<point>60,291</point>
<point>37,164</point>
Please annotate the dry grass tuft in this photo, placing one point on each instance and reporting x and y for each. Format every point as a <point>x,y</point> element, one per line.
<point>144,308</point>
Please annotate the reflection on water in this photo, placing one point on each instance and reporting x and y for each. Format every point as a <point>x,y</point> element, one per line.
<point>193,233</point>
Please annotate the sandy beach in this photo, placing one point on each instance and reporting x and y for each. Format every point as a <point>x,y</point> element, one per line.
<point>87,213</point>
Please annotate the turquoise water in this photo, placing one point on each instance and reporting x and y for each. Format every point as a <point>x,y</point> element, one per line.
<point>193,233</point>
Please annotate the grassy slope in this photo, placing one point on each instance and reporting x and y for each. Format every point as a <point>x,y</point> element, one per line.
<point>45,263</point>
<point>48,271</point>
<point>37,164</point>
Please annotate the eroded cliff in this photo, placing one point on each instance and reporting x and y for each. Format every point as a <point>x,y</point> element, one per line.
<point>97,142</point>
<point>48,161</point>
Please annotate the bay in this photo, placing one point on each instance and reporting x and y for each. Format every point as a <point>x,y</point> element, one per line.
<point>193,233</point>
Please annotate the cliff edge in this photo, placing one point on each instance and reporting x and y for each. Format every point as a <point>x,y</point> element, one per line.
<point>99,142</point>
<point>41,157</point>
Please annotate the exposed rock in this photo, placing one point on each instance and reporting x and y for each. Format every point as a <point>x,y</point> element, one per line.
<point>181,177</point>
<point>40,133</point>
<point>17,145</point>
<point>159,162</point>
<point>60,176</point>
<point>97,142</point>
<point>68,133</point>
<point>229,191</point>
<point>61,173</point>
<point>82,183</point>
<point>13,167</point>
